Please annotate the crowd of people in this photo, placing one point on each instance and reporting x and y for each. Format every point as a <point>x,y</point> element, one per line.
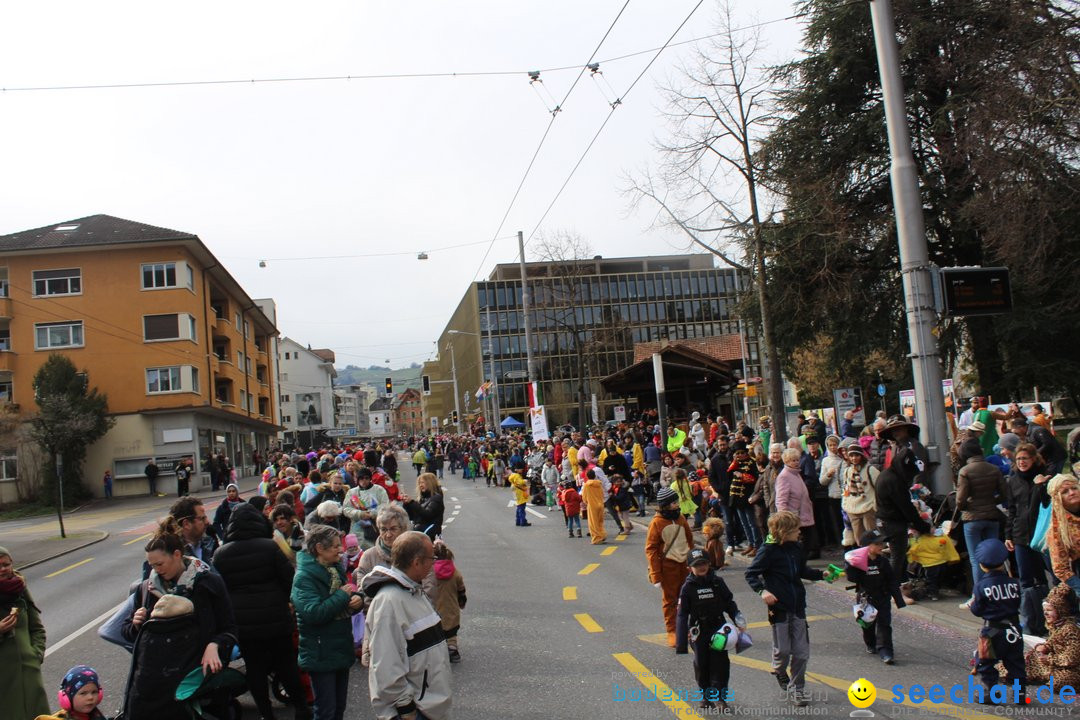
<point>332,557</point>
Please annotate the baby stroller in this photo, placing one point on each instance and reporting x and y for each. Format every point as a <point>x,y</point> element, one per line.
<point>213,697</point>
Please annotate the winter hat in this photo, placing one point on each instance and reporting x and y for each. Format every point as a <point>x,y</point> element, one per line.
<point>282,484</point>
<point>350,541</point>
<point>1009,441</point>
<point>666,496</point>
<point>232,486</point>
<point>76,679</point>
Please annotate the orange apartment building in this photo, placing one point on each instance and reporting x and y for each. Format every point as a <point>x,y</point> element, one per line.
<point>183,354</point>
<point>409,413</point>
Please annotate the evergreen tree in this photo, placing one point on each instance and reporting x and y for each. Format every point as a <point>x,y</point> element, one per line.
<point>993,98</point>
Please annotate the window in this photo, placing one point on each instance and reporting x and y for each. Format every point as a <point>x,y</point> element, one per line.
<point>239,321</point>
<point>174,326</point>
<point>58,335</point>
<point>286,356</point>
<point>243,399</point>
<point>247,329</point>
<point>5,391</point>
<point>156,276</point>
<point>5,339</point>
<point>57,282</point>
<point>239,359</point>
<point>247,365</point>
<point>195,380</point>
<point>129,468</point>
<point>9,465</point>
<point>163,380</point>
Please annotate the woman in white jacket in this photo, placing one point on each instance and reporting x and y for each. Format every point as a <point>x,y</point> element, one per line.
<point>859,497</point>
<point>832,465</point>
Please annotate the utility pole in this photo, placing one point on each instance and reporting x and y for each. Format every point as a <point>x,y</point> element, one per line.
<point>496,415</point>
<point>914,255</point>
<point>526,305</point>
<point>457,398</point>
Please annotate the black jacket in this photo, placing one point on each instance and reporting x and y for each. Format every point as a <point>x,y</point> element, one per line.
<point>703,601</point>
<point>389,464</point>
<point>780,569</point>
<point>877,581</point>
<point>615,464</point>
<point>1025,498</point>
<point>719,477</point>
<point>893,492</point>
<point>620,498</point>
<point>1052,451</point>
<point>257,575</point>
<point>427,512</point>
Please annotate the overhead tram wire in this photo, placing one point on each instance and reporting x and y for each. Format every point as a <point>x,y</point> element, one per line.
<point>614,106</point>
<point>376,76</point>
<point>547,130</point>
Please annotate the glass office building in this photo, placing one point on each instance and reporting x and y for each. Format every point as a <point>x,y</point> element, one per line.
<point>602,306</point>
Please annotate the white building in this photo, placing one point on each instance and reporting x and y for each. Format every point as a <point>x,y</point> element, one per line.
<point>381,417</point>
<point>353,404</point>
<point>306,384</point>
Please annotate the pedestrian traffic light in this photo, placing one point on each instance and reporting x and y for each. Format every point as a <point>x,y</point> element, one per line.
<point>426,383</point>
<point>389,387</point>
<point>453,416</point>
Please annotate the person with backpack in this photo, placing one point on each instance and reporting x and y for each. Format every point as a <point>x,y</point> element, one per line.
<point>183,619</point>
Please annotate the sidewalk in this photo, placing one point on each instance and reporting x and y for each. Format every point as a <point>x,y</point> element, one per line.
<point>32,541</point>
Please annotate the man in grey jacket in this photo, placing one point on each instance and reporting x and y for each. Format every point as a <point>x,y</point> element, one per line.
<point>409,676</point>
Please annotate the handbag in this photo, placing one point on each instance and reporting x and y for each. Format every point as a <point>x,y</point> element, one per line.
<point>110,630</point>
<point>1042,525</point>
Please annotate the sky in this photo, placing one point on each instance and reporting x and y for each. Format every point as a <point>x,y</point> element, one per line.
<point>337,184</point>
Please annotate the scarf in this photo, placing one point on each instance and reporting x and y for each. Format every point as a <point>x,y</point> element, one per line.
<point>183,585</point>
<point>12,588</point>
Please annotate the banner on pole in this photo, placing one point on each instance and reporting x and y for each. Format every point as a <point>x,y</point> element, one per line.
<point>538,421</point>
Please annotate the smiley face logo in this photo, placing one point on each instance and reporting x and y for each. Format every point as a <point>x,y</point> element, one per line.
<point>862,693</point>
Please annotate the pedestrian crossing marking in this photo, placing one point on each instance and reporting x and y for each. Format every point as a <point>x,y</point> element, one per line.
<point>569,592</point>
<point>609,551</point>
<point>588,568</point>
<point>619,538</point>
<point>657,686</point>
<point>588,623</point>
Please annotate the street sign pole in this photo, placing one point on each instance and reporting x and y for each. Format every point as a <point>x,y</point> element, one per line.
<point>914,255</point>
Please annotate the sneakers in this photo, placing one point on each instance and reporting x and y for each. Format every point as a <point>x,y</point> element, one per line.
<point>579,532</point>
<point>871,650</point>
<point>571,533</point>
<point>783,679</point>
<point>800,698</point>
<point>887,659</point>
<point>455,656</point>
<point>730,552</point>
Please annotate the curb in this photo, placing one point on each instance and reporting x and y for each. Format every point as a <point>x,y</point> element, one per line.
<point>95,541</point>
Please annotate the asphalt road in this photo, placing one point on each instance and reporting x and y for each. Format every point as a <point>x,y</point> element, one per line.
<point>529,651</point>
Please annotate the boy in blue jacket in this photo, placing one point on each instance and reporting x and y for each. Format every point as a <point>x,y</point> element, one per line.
<point>776,574</point>
<point>997,602</point>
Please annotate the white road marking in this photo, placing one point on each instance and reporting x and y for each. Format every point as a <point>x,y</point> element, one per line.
<point>455,512</point>
<point>92,624</point>
<point>453,499</point>
<point>457,507</point>
<point>511,504</point>
<point>450,520</point>
<point>537,514</point>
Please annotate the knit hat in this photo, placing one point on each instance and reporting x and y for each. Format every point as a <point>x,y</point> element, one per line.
<point>232,486</point>
<point>350,541</point>
<point>76,679</point>
<point>4,552</point>
<point>666,496</point>
<point>1009,441</point>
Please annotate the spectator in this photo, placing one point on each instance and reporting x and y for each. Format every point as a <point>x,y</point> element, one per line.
<point>226,508</point>
<point>151,471</point>
<point>1026,491</point>
<point>426,510</point>
<point>1052,451</point>
<point>190,516</point>
<point>410,673</point>
<point>22,646</point>
<point>980,488</point>
<point>1063,536</point>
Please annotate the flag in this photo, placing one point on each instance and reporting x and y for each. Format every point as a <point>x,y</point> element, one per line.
<point>534,394</point>
<point>483,390</point>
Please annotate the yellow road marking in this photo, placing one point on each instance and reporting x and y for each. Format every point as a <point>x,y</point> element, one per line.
<point>842,685</point>
<point>141,537</point>
<point>658,688</point>
<point>610,550</point>
<point>69,567</point>
<point>620,538</point>
<point>588,623</point>
<point>569,592</point>
<point>588,568</point>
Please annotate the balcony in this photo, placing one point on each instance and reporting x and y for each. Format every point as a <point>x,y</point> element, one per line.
<point>222,328</point>
<point>7,361</point>
<point>5,308</point>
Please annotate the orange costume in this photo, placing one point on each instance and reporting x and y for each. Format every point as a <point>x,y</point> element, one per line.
<point>592,494</point>
<point>667,544</point>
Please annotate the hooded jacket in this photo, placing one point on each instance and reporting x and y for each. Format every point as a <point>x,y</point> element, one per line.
<point>893,492</point>
<point>257,575</point>
<point>449,595</point>
<point>780,569</point>
<point>326,639</point>
<point>410,664</point>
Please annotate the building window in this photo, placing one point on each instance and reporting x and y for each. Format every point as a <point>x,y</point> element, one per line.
<point>157,276</point>
<point>239,359</point>
<point>239,321</point>
<point>163,380</point>
<point>247,329</point>
<point>57,282</point>
<point>174,326</point>
<point>247,365</point>
<point>5,391</point>
<point>9,465</point>
<point>58,335</point>
<point>195,380</point>
<point>286,356</point>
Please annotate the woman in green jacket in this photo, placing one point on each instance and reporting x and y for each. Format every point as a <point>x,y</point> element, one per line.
<point>324,603</point>
<point>22,647</point>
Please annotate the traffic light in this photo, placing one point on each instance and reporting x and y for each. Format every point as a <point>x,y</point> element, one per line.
<point>453,416</point>
<point>426,383</point>
<point>389,387</point>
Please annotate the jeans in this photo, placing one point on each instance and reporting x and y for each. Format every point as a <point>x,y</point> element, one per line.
<point>639,493</point>
<point>272,654</point>
<point>975,531</point>
<point>749,526</point>
<point>572,520</point>
<point>1029,566</point>
<point>519,518</point>
<point>879,634</point>
<point>331,690</point>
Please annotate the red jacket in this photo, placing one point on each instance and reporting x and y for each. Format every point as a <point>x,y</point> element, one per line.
<point>571,501</point>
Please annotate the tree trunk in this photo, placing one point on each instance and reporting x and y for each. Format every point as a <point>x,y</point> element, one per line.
<point>772,364</point>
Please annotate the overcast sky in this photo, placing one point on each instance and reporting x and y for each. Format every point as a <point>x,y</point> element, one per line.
<point>289,171</point>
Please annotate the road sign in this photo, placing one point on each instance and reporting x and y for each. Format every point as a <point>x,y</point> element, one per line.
<point>620,413</point>
<point>341,432</point>
<point>881,389</point>
<point>516,375</point>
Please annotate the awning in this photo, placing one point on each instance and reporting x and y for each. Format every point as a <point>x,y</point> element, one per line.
<point>511,422</point>
<point>684,369</point>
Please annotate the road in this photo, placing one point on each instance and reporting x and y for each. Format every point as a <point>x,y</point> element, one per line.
<point>554,627</point>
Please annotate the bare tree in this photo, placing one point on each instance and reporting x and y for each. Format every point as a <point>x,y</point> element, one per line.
<point>560,303</point>
<point>707,185</point>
